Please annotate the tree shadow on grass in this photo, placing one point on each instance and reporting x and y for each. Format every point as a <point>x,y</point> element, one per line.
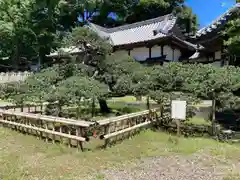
<point>229,119</point>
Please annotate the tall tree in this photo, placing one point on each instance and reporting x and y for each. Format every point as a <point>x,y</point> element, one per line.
<point>18,40</point>
<point>43,20</point>
<point>119,12</point>
<point>146,9</point>
<point>232,34</point>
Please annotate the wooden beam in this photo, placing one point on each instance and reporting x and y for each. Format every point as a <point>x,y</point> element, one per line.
<point>150,52</point>
<point>124,117</point>
<point>162,53</point>
<point>129,52</point>
<point>49,118</point>
<point>44,130</point>
<point>173,53</point>
<point>127,130</point>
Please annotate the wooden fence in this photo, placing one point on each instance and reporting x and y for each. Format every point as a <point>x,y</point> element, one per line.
<point>74,132</point>
<point>126,124</point>
<point>30,108</point>
<point>48,127</point>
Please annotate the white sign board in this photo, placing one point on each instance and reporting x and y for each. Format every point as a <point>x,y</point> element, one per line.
<point>178,111</point>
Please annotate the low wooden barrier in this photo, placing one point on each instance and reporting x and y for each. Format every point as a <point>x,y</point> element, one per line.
<point>76,131</point>
<point>47,127</point>
<point>28,107</point>
<point>25,108</point>
<point>125,124</point>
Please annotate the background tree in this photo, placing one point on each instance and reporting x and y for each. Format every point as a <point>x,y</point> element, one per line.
<point>18,40</point>
<point>119,12</point>
<point>146,9</point>
<point>43,20</point>
<point>232,31</point>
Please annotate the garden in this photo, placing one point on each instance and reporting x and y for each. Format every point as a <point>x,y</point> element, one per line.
<point>81,100</point>
<point>99,84</point>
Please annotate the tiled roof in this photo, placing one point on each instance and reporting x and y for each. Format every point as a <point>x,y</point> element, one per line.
<point>219,22</point>
<point>137,32</point>
<point>65,51</point>
<point>189,44</point>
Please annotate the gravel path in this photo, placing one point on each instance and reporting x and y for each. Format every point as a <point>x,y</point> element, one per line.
<point>197,167</point>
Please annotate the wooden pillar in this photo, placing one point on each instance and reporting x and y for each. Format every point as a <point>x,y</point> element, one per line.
<point>21,108</point>
<point>41,126</point>
<point>53,136</point>
<point>81,134</point>
<point>129,52</point>
<point>12,120</point>
<point>148,103</point>
<point>173,58</point>
<point>15,120</point>
<point>213,112</point>
<point>150,52</point>
<point>60,130</point>
<point>29,108</point>
<point>106,131</point>
<point>69,140</point>
<point>46,127</point>
<point>41,108</point>
<point>162,48</point>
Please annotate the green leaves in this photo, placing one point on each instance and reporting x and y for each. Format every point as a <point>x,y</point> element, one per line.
<point>233,33</point>
<point>198,81</point>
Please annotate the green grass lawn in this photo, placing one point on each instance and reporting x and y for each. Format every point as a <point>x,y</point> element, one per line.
<point>25,157</point>
<point>198,121</point>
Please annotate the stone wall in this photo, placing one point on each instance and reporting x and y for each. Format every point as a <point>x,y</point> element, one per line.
<point>13,76</point>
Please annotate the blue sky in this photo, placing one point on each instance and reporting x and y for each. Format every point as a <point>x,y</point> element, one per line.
<point>209,10</point>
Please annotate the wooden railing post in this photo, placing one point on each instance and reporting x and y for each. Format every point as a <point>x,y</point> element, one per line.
<point>39,123</point>
<point>60,130</point>
<point>69,140</point>
<point>29,108</point>
<point>80,133</point>
<point>107,131</point>
<point>53,136</point>
<point>46,135</point>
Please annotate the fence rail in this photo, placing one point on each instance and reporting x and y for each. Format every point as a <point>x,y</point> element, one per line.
<point>48,127</point>
<point>28,107</point>
<point>75,131</point>
<point>117,126</point>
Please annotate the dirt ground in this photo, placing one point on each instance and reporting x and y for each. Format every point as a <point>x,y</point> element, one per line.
<point>198,166</point>
<point>148,155</point>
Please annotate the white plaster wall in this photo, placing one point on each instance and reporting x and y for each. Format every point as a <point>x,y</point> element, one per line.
<point>140,54</point>
<point>156,51</point>
<point>217,63</point>
<point>177,54</point>
<point>167,50</point>
<point>218,55</point>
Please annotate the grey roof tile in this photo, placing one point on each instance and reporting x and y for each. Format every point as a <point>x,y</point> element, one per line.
<point>137,32</point>
<point>219,22</point>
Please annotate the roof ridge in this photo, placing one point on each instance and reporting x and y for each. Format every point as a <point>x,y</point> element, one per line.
<point>167,27</point>
<point>136,24</point>
<point>213,23</point>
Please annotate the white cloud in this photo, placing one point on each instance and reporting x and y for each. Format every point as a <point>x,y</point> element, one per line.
<point>223,4</point>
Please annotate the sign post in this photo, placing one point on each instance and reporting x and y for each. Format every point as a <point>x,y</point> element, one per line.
<point>178,112</point>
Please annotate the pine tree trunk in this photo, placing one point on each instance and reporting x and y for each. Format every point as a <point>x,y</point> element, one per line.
<point>103,106</point>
